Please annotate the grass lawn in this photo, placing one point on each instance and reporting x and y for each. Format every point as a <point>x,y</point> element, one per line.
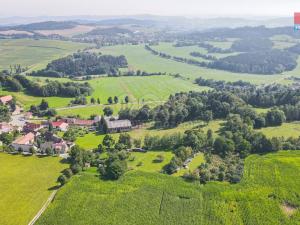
<point>24,184</point>
<point>285,130</point>
<point>194,164</point>
<point>268,185</point>
<point>262,110</point>
<point>146,161</point>
<point>34,54</point>
<point>92,140</point>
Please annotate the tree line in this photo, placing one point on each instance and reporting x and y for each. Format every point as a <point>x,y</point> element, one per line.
<point>51,88</point>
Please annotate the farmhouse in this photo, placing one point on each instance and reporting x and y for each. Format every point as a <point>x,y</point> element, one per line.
<point>60,147</point>
<point>115,126</point>
<point>24,143</point>
<point>6,99</point>
<point>60,125</point>
<point>5,128</point>
<point>79,122</point>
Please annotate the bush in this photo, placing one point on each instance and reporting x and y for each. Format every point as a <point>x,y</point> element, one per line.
<point>62,179</point>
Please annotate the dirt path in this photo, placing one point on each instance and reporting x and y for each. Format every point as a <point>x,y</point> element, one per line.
<point>49,200</point>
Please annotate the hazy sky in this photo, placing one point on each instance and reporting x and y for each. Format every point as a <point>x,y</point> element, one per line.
<point>158,7</point>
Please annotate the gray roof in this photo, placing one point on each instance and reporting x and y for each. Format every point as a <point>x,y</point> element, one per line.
<point>118,124</point>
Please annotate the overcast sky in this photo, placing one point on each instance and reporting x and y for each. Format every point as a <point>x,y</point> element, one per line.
<point>201,8</point>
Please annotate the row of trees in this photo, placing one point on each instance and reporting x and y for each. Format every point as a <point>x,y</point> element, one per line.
<point>273,61</point>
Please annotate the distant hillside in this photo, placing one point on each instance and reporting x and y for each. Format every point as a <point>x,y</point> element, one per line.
<point>109,31</point>
<point>48,25</point>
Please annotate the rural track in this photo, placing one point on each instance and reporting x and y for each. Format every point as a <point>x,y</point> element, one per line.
<point>47,203</point>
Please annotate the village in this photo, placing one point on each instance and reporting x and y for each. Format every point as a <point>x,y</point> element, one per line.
<point>37,135</point>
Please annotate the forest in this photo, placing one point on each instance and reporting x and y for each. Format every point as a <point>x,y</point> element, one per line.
<point>19,83</point>
<point>83,63</point>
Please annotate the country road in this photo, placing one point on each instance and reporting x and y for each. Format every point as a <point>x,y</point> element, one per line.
<point>49,200</point>
<point>89,105</point>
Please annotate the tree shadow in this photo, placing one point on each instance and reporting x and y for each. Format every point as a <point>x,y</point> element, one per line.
<point>53,188</point>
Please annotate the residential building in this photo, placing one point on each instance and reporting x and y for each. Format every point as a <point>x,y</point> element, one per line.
<point>115,126</point>
<point>5,128</point>
<point>6,99</point>
<point>24,143</point>
<point>60,125</point>
<point>31,127</point>
<point>60,147</point>
<point>79,122</point>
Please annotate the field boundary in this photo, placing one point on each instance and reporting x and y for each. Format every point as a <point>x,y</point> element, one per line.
<point>49,200</point>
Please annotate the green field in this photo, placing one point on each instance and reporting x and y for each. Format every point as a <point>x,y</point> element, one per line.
<point>24,184</point>
<point>92,140</point>
<point>146,161</point>
<point>139,58</point>
<point>139,89</point>
<point>285,130</point>
<point>34,54</point>
<point>268,194</point>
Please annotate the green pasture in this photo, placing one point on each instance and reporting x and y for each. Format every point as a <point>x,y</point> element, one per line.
<point>93,139</point>
<point>147,161</point>
<point>285,130</point>
<point>35,54</point>
<point>25,185</point>
<point>141,90</point>
<point>139,58</point>
<point>268,194</point>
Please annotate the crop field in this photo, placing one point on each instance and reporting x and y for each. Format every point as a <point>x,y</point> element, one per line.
<point>285,130</point>
<point>268,194</point>
<point>24,186</point>
<point>34,54</point>
<point>92,140</point>
<point>139,58</point>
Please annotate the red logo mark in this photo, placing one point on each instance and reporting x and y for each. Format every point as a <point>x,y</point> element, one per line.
<point>297,18</point>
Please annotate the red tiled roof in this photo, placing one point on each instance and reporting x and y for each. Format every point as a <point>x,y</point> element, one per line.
<point>84,122</point>
<point>57,123</point>
<point>5,99</point>
<point>24,139</point>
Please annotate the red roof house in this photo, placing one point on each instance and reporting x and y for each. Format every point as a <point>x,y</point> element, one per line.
<point>6,99</point>
<point>61,125</point>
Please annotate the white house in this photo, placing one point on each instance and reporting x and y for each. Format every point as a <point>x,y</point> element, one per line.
<point>24,143</point>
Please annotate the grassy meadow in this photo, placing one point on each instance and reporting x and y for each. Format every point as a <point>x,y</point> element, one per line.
<point>139,58</point>
<point>139,89</point>
<point>147,161</point>
<point>34,54</point>
<point>268,194</point>
<point>24,186</point>
<point>285,130</point>
<point>92,140</point>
